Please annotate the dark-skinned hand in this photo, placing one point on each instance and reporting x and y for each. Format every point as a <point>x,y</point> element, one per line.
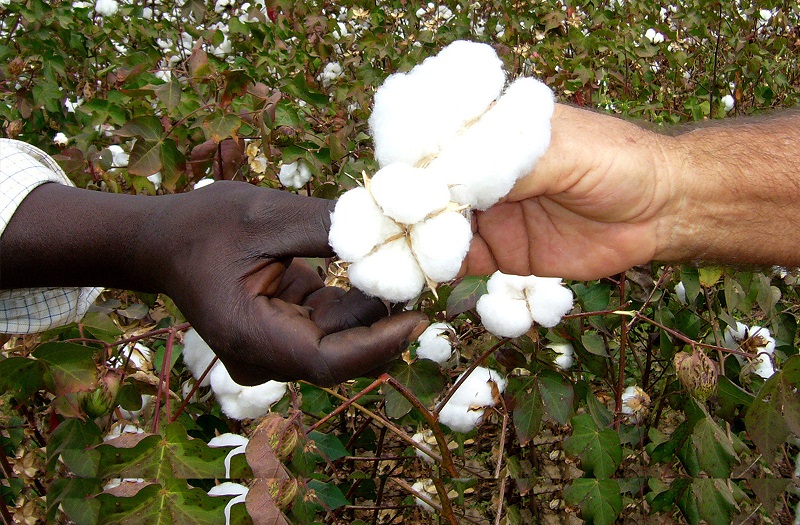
<point>225,255</point>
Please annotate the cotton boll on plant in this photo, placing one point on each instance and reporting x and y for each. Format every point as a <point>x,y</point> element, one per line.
<point>435,343</point>
<point>416,112</point>
<point>635,403</point>
<point>408,194</point>
<point>483,163</point>
<point>513,303</point>
<point>197,355</point>
<point>295,174</point>
<point>466,407</point>
<point>243,402</point>
<point>565,355</point>
<point>358,225</point>
<point>390,272</point>
<point>106,7</point>
<point>504,316</point>
<point>548,300</point>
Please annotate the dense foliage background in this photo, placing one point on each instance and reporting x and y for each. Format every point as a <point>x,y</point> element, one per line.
<point>148,96</point>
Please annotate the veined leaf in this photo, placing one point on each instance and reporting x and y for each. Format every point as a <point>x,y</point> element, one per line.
<point>600,500</point>
<point>600,450</point>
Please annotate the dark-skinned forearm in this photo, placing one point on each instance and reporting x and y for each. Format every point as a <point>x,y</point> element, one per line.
<point>64,236</point>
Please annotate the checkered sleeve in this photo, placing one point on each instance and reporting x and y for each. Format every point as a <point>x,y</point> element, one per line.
<point>22,169</point>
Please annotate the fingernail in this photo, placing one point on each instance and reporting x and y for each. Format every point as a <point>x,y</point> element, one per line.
<point>417,331</point>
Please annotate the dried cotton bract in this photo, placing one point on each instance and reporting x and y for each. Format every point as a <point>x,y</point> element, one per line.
<point>514,302</point>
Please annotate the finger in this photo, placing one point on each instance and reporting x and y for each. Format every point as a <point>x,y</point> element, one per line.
<point>299,281</point>
<point>350,310</point>
<point>353,352</point>
<point>303,227</point>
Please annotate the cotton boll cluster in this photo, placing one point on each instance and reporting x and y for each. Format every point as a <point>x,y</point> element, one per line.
<point>237,401</point>
<point>330,72</point>
<point>435,343</point>
<point>513,303</point>
<point>635,403</point>
<point>425,487</point>
<point>426,440</point>
<point>447,139</point>
<point>295,174</point>
<point>728,102</point>
<point>395,239</point>
<point>479,391</point>
<point>565,355</point>
<point>755,340</point>
<point>60,139</point>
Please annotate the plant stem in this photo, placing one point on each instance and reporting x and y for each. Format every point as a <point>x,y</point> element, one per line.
<point>623,344</point>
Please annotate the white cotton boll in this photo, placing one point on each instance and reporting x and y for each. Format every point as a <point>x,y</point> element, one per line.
<point>509,285</point>
<point>295,174</point>
<point>358,225</point>
<point>119,157</point>
<point>250,402</point>
<point>654,36</point>
<point>222,384</point>
<point>421,438</point>
<point>482,164</point>
<point>762,365</point>
<point>197,355</point>
<point>464,409</point>
<point>728,102</point>
<point>330,72</point>
<point>203,183</point>
<point>106,7</point>
<point>228,489</point>
<point>120,428</point>
<point>549,301</point>
<point>460,417</point>
<point>504,316</point>
<point>419,487</point>
<point>60,139</point>
<point>408,194</point>
<point>156,179</point>
<point>732,335</point>
<point>564,355</point>
<point>441,243</point>
<point>391,273</point>
<point>435,344</point>
<point>415,113</point>
<point>132,415</point>
<point>477,389</point>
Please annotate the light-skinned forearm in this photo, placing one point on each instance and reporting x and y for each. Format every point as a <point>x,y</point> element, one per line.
<point>736,193</point>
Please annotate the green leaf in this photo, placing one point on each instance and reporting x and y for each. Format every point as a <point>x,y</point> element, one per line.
<point>715,501</point>
<point>220,127</point>
<point>709,275</point>
<point>527,407</point>
<point>600,500</point>
<point>170,502</point>
<point>465,295</point>
<point>329,445</point>
<point>595,298</point>
<point>73,496</point>
<point>423,378</point>
<point>101,326</point>
<point>314,400</point>
<point>714,447</point>
<point>557,395</point>
<point>169,93</point>
<point>594,343</point>
<point>664,501</point>
<point>666,451</point>
<point>148,128</point>
<point>600,450</point>
<point>328,493</point>
<point>691,282</point>
<point>71,366</point>
<point>72,440</point>
<point>22,377</point>
<point>775,413</point>
<point>171,455</point>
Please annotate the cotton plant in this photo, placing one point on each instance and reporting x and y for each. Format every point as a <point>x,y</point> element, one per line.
<point>514,302</point>
<point>237,401</point>
<point>480,390</point>
<point>449,137</point>
<point>756,340</point>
